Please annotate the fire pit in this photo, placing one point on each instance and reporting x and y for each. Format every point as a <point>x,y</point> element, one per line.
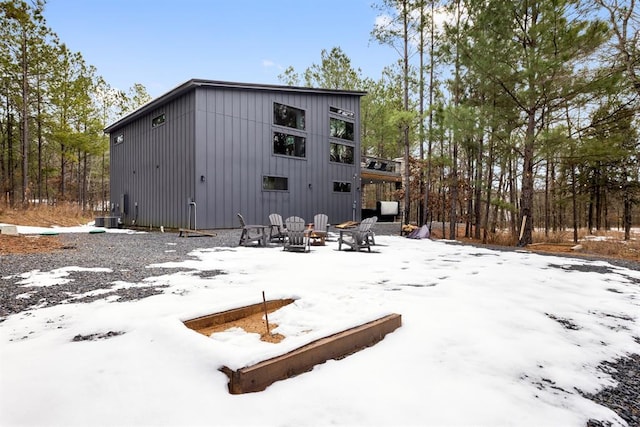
<point>259,376</point>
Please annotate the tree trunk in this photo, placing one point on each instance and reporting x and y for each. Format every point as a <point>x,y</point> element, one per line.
<point>554,209</point>
<point>574,201</point>
<point>592,202</point>
<point>453,182</point>
<point>62,172</point>
<point>79,195</point>
<point>40,141</point>
<point>468,196</point>
<point>627,213</point>
<point>547,208</point>
<point>453,193</point>
<point>405,133</point>
<point>513,198</point>
<point>605,211</point>
<point>598,193</point>
<point>499,196</point>
<point>430,129</point>
<point>478,190</point>
<point>423,186</point>
<point>85,161</point>
<point>11,162</point>
<point>442,190</point>
<point>526,204</point>
<point>25,122</point>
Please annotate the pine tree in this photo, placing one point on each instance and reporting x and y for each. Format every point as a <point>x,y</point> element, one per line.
<point>536,47</point>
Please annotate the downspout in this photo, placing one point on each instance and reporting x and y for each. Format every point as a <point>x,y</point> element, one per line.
<point>135,214</point>
<point>355,203</point>
<point>195,212</point>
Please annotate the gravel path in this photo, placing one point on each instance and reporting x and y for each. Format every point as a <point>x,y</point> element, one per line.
<point>126,256</point>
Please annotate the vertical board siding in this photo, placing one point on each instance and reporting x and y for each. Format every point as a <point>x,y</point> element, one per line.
<point>152,166</point>
<point>225,135</point>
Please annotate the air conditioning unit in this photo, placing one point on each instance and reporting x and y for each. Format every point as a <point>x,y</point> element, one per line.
<point>112,222</point>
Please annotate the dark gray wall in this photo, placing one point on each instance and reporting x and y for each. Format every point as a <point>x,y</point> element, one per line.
<point>234,151</point>
<point>213,150</point>
<point>154,167</point>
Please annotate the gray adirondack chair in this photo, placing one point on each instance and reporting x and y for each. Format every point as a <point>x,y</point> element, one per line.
<point>277,230</point>
<point>252,234</point>
<point>297,235</point>
<point>371,235</point>
<point>360,237</point>
<point>320,224</point>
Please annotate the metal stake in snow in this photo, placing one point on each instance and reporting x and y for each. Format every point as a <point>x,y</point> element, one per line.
<point>266,316</point>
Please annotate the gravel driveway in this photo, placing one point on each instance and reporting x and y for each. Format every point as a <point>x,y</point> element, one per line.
<point>126,256</point>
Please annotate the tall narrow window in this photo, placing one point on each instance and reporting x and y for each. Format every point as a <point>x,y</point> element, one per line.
<point>289,145</point>
<point>275,183</point>
<point>291,117</point>
<point>157,121</point>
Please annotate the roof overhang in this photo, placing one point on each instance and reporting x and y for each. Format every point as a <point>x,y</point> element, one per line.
<point>194,83</point>
<point>367,175</point>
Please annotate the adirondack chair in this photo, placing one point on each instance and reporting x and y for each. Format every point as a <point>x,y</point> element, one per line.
<point>360,237</point>
<point>252,234</point>
<point>320,224</point>
<point>371,235</point>
<point>276,228</point>
<point>297,235</point>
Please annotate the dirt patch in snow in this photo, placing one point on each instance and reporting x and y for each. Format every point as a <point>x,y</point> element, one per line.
<point>28,244</point>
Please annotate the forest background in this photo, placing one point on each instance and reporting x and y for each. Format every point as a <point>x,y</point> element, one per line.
<point>510,116</point>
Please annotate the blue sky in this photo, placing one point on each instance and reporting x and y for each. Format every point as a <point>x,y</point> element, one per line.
<point>163,43</point>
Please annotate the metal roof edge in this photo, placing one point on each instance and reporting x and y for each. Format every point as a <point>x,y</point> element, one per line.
<point>190,84</point>
<point>178,90</point>
<point>260,86</point>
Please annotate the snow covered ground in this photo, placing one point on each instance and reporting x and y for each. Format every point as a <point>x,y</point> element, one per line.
<point>489,338</point>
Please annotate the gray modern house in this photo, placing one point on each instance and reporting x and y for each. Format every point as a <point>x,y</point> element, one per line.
<point>207,150</point>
